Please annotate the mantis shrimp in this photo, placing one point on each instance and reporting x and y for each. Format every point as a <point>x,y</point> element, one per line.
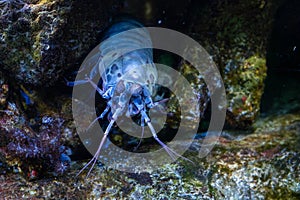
<point>128,80</point>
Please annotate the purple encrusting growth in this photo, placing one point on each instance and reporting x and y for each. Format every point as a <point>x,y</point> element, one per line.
<point>40,150</point>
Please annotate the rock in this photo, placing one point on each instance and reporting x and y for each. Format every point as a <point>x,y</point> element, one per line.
<point>34,153</point>
<point>4,88</point>
<point>237,168</point>
<point>244,85</point>
<point>40,40</point>
<point>235,34</point>
<point>241,165</point>
<point>203,82</point>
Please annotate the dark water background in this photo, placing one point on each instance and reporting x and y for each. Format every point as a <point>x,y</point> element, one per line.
<point>281,93</point>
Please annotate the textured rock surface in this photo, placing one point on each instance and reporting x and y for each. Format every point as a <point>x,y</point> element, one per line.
<point>39,40</point>
<point>4,89</point>
<point>38,147</point>
<point>245,86</point>
<point>262,165</point>
<point>235,33</point>
<point>203,82</point>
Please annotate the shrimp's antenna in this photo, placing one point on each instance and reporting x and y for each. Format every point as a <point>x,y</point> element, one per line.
<point>170,151</point>
<point>143,130</point>
<point>95,157</point>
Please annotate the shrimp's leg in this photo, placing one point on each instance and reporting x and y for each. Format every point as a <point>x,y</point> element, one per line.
<point>73,83</point>
<point>101,116</point>
<point>170,151</point>
<point>160,102</point>
<point>92,74</point>
<point>105,111</point>
<point>151,104</point>
<point>89,80</point>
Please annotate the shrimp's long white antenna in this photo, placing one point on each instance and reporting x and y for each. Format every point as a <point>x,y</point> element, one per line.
<point>95,157</point>
<point>170,151</point>
<point>142,136</point>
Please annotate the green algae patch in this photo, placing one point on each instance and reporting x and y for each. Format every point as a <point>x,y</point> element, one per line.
<point>244,87</point>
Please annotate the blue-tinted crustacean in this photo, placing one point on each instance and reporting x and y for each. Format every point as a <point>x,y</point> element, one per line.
<point>128,80</point>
